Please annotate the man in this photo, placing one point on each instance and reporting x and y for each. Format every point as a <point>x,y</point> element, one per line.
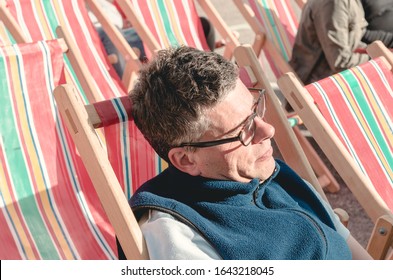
<point>223,195</point>
<point>329,35</point>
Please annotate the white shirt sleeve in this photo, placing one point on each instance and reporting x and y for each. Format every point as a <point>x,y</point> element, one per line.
<point>176,240</point>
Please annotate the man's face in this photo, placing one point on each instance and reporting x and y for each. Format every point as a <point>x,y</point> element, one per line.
<point>234,161</point>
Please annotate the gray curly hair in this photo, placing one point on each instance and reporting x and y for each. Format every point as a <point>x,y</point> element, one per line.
<point>174,90</point>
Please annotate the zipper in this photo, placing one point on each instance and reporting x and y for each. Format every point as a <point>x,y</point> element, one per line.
<point>255,193</point>
<point>255,196</point>
<point>316,225</point>
<point>299,212</point>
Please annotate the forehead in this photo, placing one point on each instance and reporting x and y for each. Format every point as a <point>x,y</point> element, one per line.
<point>230,112</point>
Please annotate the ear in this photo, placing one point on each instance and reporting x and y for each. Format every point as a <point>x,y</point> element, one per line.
<point>184,161</point>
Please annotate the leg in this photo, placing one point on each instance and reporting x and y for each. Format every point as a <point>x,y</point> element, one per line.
<point>208,30</point>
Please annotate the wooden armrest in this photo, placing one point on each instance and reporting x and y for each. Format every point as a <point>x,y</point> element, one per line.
<point>381,241</point>
<point>343,215</point>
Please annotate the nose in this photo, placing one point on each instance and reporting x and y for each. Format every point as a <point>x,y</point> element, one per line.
<point>263,130</point>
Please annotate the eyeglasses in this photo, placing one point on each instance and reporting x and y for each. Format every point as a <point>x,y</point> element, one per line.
<point>248,131</point>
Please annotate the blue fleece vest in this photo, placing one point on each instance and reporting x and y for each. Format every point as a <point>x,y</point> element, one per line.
<point>280,218</point>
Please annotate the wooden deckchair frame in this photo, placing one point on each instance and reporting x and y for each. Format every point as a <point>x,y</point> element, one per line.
<point>81,121</point>
<point>263,42</point>
<point>285,137</point>
<point>11,23</point>
<point>360,185</point>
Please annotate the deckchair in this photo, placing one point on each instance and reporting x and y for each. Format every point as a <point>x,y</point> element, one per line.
<point>87,67</point>
<point>50,207</point>
<point>161,24</point>
<point>45,204</point>
<point>132,64</point>
<point>106,173</point>
<point>29,21</point>
<point>350,116</point>
<point>275,24</point>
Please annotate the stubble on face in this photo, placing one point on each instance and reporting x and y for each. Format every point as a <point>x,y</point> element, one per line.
<point>233,161</point>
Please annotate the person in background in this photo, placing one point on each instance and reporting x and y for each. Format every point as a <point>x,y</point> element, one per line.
<point>123,24</point>
<point>126,30</point>
<point>329,36</point>
<point>379,14</point>
<point>223,195</point>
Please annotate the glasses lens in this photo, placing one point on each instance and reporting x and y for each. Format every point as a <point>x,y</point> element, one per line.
<point>248,131</point>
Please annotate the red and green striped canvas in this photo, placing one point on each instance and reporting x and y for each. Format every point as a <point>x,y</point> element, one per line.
<point>280,20</point>
<point>132,158</point>
<point>49,207</point>
<point>39,19</point>
<point>173,23</point>
<point>358,105</point>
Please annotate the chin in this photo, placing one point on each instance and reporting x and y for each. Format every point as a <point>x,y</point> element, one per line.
<point>267,168</point>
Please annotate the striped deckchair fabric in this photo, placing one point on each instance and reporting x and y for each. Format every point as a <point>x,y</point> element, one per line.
<point>275,23</point>
<point>49,209</point>
<point>350,116</point>
<point>173,23</point>
<point>131,157</point>
<point>357,103</point>
<point>162,24</point>
<point>39,20</point>
<point>49,206</point>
